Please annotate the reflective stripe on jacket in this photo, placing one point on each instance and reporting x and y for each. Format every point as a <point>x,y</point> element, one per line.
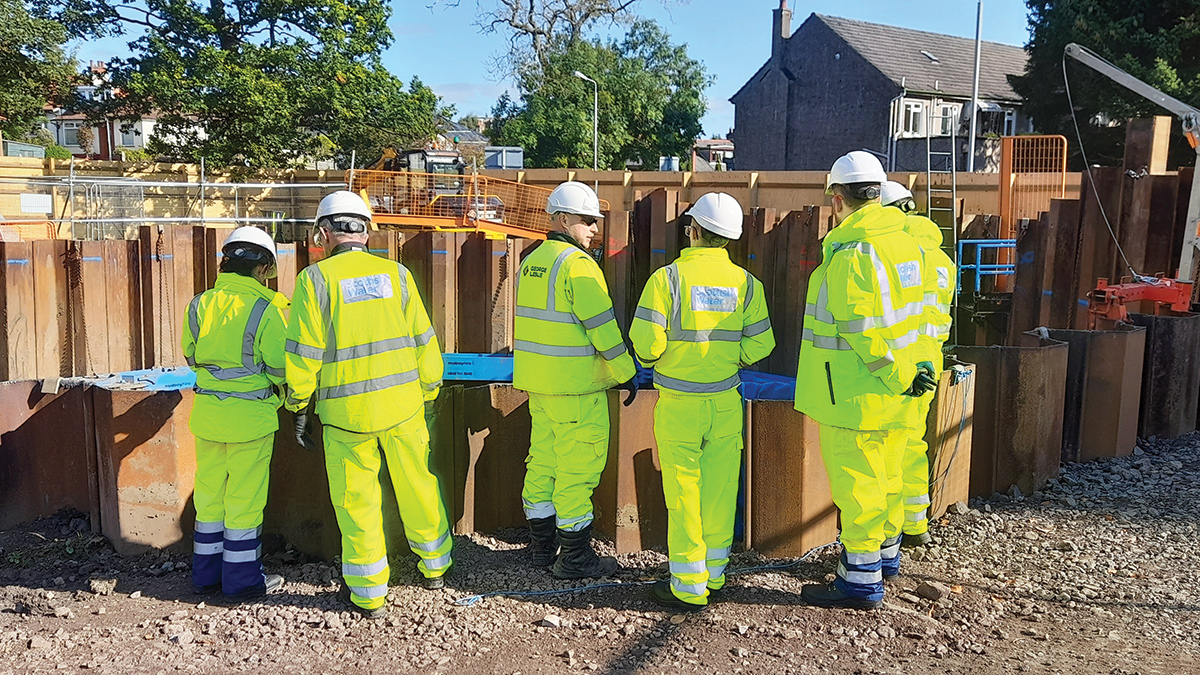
<point>862,324</point>
<point>566,337</point>
<point>233,339</point>
<point>940,280</point>
<point>699,320</point>
<point>360,342</point>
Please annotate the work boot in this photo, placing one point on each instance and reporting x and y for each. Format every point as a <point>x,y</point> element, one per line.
<point>915,540</point>
<point>829,595</point>
<point>543,541</point>
<point>210,589</point>
<point>661,594</point>
<point>577,560</point>
<point>379,612</point>
<point>434,583</point>
<point>271,583</point>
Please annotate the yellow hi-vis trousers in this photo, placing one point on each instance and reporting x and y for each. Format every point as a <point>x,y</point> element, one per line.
<point>865,479</point>
<point>915,468</point>
<point>352,461</point>
<point>700,450</point>
<point>568,447</point>
<point>230,494</point>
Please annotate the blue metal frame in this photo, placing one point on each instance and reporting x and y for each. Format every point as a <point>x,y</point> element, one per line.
<point>984,269</point>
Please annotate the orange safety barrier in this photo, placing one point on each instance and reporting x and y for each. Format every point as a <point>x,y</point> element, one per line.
<point>1033,171</point>
<point>455,203</point>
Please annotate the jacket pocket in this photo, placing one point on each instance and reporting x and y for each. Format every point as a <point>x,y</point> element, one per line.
<point>829,380</point>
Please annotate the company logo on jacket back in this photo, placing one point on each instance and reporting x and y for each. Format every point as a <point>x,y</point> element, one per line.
<point>374,287</point>
<point>909,273</point>
<point>714,298</point>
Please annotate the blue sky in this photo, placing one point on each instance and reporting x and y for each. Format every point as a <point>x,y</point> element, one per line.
<point>731,37</point>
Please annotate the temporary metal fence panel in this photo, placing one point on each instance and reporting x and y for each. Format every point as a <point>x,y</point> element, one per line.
<point>1033,171</point>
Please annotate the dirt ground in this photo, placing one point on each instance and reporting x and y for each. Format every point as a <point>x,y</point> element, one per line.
<point>1098,573</point>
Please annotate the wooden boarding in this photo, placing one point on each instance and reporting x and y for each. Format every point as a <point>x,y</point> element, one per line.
<point>285,281</point>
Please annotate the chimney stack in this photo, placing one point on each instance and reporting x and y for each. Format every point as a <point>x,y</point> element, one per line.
<point>782,30</point>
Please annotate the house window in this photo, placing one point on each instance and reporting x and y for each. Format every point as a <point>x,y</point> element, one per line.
<point>130,137</point>
<point>913,121</point>
<point>946,121</point>
<point>70,133</point>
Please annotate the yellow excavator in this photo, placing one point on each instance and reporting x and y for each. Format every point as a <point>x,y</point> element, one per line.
<point>432,190</point>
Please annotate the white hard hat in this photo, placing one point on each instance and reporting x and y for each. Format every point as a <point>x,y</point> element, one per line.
<point>857,167</point>
<point>343,211</point>
<point>893,192</point>
<point>249,234</point>
<point>574,197</point>
<point>718,213</point>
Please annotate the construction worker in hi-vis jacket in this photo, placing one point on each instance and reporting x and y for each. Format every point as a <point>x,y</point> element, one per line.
<point>860,356</point>
<point>940,282</point>
<point>567,352</point>
<point>360,346</point>
<point>700,319</point>
<point>233,338</point>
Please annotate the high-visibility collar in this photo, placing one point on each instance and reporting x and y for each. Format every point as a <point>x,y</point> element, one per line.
<point>237,283</point>
<point>704,252</point>
<point>348,246</point>
<point>869,221</point>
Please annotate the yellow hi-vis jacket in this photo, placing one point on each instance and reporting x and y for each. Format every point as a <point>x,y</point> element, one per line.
<point>940,281</point>
<point>862,323</point>
<point>233,338</point>
<point>360,341</point>
<point>566,337</point>
<point>700,319</point>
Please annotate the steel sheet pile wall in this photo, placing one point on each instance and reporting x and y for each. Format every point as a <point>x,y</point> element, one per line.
<point>1104,386</point>
<point>1171,375</point>
<point>47,455</point>
<point>948,433</point>
<point>789,505</point>
<point>1018,426</point>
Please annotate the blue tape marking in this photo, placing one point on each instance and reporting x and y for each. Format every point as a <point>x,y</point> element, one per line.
<point>18,261</point>
<point>378,250</point>
<point>499,252</point>
<point>752,256</point>
<point>438,251</point>
<point>659,250</point>
<point>1047,292</point>
<point>1084,302</point>
<point>92,258</point>
<point>161,257</point>
<point>1028,257</point>
<point>283,251</point>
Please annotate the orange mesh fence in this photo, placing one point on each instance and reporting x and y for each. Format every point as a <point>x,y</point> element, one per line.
<point>431,201</point>
<point>1033,171</point>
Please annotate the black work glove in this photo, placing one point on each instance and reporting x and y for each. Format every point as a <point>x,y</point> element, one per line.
<point>924,382</point>
<point>632,387</point>
<point>303,429</point>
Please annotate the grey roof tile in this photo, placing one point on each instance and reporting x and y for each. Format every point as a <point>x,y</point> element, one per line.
<point>896,52</point>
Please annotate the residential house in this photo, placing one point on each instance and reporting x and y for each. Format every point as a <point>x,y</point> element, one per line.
<point>110,137</point>
<point>712,154</point>
<point>836,85</point>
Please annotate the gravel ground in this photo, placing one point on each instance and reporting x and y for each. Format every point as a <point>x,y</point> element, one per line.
<point>1096,574</point>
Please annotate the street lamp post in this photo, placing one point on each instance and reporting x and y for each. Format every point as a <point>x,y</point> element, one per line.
<point>975,88</point>
<point>595,119</point>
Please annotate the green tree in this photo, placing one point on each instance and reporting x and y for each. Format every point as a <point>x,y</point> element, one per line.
<point>36,70</point>
<point>651,102</point>
<point>1156,42</point>
<point>266,83</point>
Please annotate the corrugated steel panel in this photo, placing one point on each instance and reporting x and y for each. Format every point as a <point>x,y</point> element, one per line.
<point>948,432</point>
<point>47,456</point>
<point>1104,387</point>
<point>1170,375</point>
<point>790,507</point>
<point>1017,435</point>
